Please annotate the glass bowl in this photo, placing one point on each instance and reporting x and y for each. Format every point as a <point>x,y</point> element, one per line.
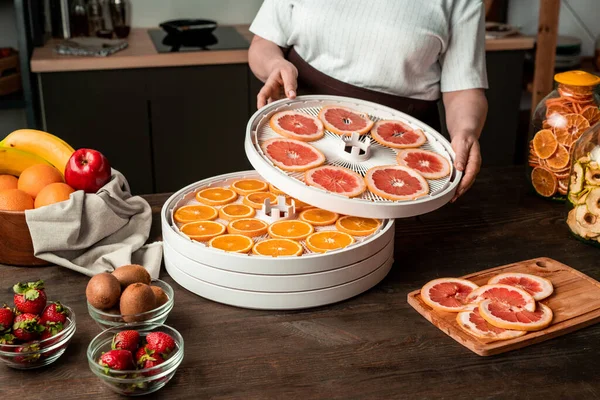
<point>105,319</point>
<point>39,353</point>
<point>135,382</point>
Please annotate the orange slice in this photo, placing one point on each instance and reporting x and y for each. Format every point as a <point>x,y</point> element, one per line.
<point>321,242</point>
<point>236,211</point>
<point>232,243</point>
<point>502,315</point>
<point>290,229</point>
<point>195,212</point>
<point>277,248</point>
<point>256,200</point>
<point>216,196</point>
<point>557,108</point>
<point>275,191</point>
<point>543,181</point>
<point>544,143</point>
<point>247,186</point>
<point>250,227</point>
<point>560,159</point>
<point>357,226</point>
<point>300,205</point>
<point>318,217</point>
<point>591,113</point>
<point>202,231</point>
<point>573,128</point>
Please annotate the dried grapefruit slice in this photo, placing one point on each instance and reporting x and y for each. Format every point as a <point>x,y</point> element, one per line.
<point>395,182</point>
<point>247,186</point>
<point>275,190</point>
<point>538,287</point>
<point>321,242</point>
<point>216,196</point>
<point>292,155</point>
<point>543,181</point>
<point>336,180</point>
<point>195,212</point>
<point>256,200</point>
<point>357,226</point>
<point>318,217</point>
<point>427,163</point>
<point>345,121</point>
<point>572,128</point>
<point>232,243</point>
<point>591,113</point>
<point>202,231</point>
<point>447,294</point>
<point>278,248</point>
<point>290,229</point>
<point>397,135</point>
<point>295,125</point>
<point>236,211</point>
<point>513,296</point>
<point>544,143</point>
<point>504,316</point>
<point>251,227</point>
<point>473,323</point>
<point>560,158</point>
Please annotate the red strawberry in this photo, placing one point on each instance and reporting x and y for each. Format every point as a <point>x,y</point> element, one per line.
<point>26,327</point>
<point>54,312</point>
<point>28,358</point>
<point>160,342</point>
<point>143,354</point>
<point>153,361</point>
<point>126,340</point>
<point>51,329</point>
<point>9,339</point>
<point>6,318</point>
<point>30,297</point>
<point>117,359</point>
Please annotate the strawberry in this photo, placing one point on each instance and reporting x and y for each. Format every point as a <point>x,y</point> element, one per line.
<point>53,313</point>
<point>26,327</point>
<point>142,355</point>
<point>116,359</point>
<point>28,358</point>
<point>51,329</point>
<point>160,342</point>
<point>7,338</point>
<point>153,361</point>
<point>6,318</point>
<point>126,340</point>
<point>30,297</point>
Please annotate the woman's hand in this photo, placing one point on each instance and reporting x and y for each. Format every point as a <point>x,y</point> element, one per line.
<point>468,161</point>
<point>282,82</point>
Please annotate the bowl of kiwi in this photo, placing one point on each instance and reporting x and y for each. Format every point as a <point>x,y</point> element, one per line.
<point>128,295</point>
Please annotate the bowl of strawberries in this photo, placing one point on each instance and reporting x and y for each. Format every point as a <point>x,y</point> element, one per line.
<point>136,359</point>
<point>35,332</point>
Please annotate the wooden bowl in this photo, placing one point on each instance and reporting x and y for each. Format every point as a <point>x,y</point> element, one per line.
<point>16,247</point>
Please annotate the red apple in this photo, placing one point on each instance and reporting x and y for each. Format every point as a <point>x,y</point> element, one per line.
<point>87,170</point>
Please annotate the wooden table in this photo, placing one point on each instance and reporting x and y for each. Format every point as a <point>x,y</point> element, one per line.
<point>372,346</point>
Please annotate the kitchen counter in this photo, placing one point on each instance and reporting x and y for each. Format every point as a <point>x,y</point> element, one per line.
<point>372,346</point>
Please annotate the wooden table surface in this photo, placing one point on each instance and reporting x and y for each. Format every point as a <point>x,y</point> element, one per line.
<point>374,346</point>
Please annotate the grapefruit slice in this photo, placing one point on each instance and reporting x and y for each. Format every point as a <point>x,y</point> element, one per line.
<point>514,297</point>
<point>357,226</point>
<point>504,316</point>
<point>473,323</point>
<point>324,241</point>
<point>318,217</point>
<point>236,211</point>
<point>536,286</point>
<point>290,229</point>
<point>195,212</point>
<point>247,186</point>
<point>336,180</point>
<point>397,135</point>
<point>232,243</point>
<point>345,121</point>
<point>292,155</point>
<point>277,248</point>
<point>447,294</point>
<point>396,182</point>
<point>295,125</point>
<point>250,227</point>
<point>429,164</point>
<point>216,196</point>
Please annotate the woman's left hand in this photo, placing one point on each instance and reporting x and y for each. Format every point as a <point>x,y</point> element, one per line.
<point>468,161</point>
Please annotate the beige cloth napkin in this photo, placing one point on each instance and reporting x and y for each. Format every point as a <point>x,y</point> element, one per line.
<point>96,232</point>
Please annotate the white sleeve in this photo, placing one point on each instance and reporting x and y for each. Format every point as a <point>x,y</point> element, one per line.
<point>463,62</point>
<point>273,22</point>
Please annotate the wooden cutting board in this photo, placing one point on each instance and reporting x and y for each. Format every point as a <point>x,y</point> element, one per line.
<point>575,303</point>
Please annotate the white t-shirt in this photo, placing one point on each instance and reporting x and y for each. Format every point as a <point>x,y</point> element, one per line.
<point>410,48</point>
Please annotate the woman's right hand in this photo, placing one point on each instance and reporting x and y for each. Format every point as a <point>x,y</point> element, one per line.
<point>282,82</point>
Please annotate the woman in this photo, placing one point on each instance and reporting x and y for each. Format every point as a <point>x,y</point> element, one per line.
<point>405,54</point>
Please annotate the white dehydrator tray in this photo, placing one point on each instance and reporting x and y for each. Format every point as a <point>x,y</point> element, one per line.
<point>369,204</point>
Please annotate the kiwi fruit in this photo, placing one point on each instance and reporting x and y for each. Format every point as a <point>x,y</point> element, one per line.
<point>137,298</point>
<point>133,273</point>
<point>103,291</point>
<point>160,295</point>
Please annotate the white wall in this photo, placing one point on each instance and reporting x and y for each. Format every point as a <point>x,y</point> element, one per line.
<point>578,18</point>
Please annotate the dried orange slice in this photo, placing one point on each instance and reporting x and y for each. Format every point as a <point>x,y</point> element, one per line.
<point>247,186</point>
<point>250,227</point>
<point>256,200</point>
<point>318,217</point>
<point>202,231</point>
<point>573,128</point>
<point>543,181</point>
<point>216,196</point>
<point>323,241</point>
<point>290,229</point>
<point>591,113</point>
<point>300,205</point>
<point>557,108</point>
<point>357,226</point>
<point>230,212</point>
<point>232,243</point>
<point>544,143</point>
<point>275,190</point>
<point>277,248</point>
<point>559,159</point>
<point>195,212</point>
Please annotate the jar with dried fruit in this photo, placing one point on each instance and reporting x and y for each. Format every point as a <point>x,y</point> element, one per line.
<point>558,122</point>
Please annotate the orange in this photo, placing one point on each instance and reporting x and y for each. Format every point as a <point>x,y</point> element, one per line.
<point>557,108</point>
<point>560,159</point>
<point>323,241</point>
<point>275,191</point>
<point>572,130</point>
<point>256,200</point>
<point>195,212</point>
<point>15,200</point>
<point>216,196</point>
<point>250,227</point>
<point>236,211</point>
<point>592,114</point>
<point>290,229</point>
<point>318,217</point>
<point>232,243</point>
<point>8,182</point>
<point>544,143</point>
<point>543,181</point>
<point>357,226</point>
<point>247,186</point>
<point>53,193</point>
<point>36,177</point>
<point>202,231</point>
<point>277,248</point>
<point>300,205</point>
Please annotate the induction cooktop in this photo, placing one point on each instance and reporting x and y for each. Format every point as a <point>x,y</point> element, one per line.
<point>222,38</point>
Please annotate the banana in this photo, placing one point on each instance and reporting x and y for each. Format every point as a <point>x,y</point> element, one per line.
<point>13,161</point>
<point>51,148</point>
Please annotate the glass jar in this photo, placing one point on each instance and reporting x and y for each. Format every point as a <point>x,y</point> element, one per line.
<point>558,122</point>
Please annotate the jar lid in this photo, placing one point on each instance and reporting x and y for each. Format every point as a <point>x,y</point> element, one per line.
<point>577,78</point>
